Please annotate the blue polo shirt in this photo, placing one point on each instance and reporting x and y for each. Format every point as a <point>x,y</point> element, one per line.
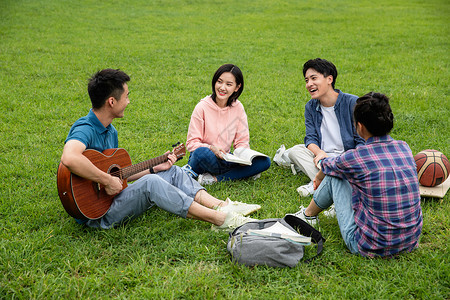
<point>91,132</point>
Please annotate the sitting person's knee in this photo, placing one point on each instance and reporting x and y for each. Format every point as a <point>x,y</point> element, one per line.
<point>201,152</point>
<point>267,162</point>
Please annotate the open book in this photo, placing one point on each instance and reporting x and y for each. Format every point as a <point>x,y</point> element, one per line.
<point>281,231</point>
<point>242,156</point>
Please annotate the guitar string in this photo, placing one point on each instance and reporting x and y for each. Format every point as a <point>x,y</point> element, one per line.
<point>140,166</point>
<point>147,164</point>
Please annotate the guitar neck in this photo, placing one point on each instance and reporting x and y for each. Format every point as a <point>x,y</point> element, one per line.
<point>142,166</point>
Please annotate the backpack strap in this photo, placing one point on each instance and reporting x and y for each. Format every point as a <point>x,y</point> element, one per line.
<point>307,230</point>
<point>319,251</point>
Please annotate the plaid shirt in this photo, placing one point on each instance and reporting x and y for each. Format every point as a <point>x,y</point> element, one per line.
<point>385,194</point>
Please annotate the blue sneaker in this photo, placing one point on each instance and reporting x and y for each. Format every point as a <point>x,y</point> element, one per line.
<point>189,171</point>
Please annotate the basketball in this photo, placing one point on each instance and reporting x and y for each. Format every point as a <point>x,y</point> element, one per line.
<point>432,167</point>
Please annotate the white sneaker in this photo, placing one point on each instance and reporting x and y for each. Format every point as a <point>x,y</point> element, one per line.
<point>206,178</point>
<point>239,207</point>
<point>331,212</point>
<point>306,190</point>
<point>232,220</point>
<point>257,176</point>
<point>313,221</point>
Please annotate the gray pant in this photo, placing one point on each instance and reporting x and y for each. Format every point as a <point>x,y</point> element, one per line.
<point>172,190</point>
<point>303,159</point>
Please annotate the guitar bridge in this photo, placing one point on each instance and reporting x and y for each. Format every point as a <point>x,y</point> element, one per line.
<point>97,188</point>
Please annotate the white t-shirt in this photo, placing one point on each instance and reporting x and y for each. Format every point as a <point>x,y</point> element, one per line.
<point>331,133</point>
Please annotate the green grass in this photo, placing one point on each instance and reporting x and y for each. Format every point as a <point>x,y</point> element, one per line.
<point>171,49</point>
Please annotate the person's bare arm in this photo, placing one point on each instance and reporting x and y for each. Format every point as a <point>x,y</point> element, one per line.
<point>318,179</point>
<point>80,165</point>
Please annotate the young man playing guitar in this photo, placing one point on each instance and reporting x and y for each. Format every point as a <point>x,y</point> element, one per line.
<point>164,185</point>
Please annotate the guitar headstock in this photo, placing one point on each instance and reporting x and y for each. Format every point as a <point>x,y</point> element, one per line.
<point>179,151</point>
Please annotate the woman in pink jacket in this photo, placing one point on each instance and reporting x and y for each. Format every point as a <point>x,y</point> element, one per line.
<point>218,122</point>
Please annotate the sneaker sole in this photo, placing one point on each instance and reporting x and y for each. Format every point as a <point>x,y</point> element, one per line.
<point>247,212</point>
<point>251,211</point>
<point>217,229</point>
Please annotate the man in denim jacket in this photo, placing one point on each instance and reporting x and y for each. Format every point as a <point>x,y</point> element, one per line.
<point>328,120</point>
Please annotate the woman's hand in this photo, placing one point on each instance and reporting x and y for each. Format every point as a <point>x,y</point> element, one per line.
<point>217,152</point>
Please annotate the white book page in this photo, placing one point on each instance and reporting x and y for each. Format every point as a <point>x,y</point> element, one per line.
<point>279,230</point>
<point>242,156</point>
<point>233,158</point>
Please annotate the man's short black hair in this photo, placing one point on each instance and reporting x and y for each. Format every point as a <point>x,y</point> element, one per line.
<point>374,112</point>
<point>104,84</point>
<point>324,67</point>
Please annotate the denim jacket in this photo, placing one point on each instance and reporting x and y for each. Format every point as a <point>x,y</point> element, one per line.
<point>343,108</point>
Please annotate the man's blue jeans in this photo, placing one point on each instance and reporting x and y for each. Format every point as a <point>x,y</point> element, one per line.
<point>203,160</point>
<point>338,191</point>
<point>172,190</point>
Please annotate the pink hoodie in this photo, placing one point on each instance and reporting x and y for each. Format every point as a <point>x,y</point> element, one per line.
<point>221,127</point>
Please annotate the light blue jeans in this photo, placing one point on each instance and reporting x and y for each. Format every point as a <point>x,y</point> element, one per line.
<point>203,160</point>
<point>338,191</point>
<point>172,190</point>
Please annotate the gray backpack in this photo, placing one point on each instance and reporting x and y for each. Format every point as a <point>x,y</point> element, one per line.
<point>254,243</point>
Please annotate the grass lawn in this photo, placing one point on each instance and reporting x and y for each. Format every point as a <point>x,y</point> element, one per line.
<point>171,49</point>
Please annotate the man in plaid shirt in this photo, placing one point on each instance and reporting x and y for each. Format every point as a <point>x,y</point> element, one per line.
<point>374,187</point>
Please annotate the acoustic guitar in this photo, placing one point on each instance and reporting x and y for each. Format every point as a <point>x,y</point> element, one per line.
<point>85,199</point>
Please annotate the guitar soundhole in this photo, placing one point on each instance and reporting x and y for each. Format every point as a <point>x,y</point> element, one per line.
<point>114,170</point>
